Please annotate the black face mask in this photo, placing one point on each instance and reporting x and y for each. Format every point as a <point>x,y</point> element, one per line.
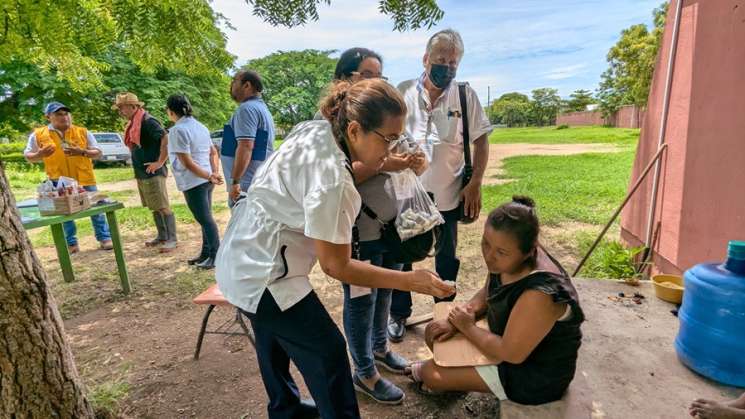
<point>441,75</point>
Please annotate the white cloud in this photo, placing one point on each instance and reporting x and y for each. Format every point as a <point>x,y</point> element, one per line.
<point>566,72</point>
<point>510,46</point>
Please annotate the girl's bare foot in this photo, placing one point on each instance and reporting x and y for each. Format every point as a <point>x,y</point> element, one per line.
<point>708,409</point>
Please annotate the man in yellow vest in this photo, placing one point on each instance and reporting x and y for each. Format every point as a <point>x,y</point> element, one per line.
<point>67,150</point>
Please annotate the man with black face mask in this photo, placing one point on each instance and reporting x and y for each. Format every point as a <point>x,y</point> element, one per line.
<point>434,120</point>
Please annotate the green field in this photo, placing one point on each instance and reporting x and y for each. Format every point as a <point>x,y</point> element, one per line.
<point>572,135</point>
<point>25,177</point>
<point>584,188</point>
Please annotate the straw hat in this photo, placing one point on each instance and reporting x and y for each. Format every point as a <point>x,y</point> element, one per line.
<point>126,99</point>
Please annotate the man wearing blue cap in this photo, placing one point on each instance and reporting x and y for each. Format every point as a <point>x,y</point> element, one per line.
<point>67,150</point>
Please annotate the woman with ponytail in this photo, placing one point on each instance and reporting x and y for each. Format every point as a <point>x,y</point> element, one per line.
<point>301,209</point>
<point>196,169</point>
<point>533,313</point>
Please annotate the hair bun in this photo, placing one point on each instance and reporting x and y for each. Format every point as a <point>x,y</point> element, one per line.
<point>523,200</point>
<point>331,104</point>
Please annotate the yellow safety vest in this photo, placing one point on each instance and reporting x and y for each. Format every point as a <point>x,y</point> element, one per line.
<point>58,164</point>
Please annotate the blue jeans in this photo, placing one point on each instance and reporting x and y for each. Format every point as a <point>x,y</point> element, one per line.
<point>100,228</point>
<point>366,317</point>
<point>446,264</point>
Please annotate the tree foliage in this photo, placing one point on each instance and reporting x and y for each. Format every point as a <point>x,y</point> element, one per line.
<point>294,82</point>
<point>545,105</point>
<point>66,37</point>
<point>631,64</point>
<point>406,14</point>
<point>516,109</point>
<point>511,109</point>
<point>578,101</point>
<point>27,90</point>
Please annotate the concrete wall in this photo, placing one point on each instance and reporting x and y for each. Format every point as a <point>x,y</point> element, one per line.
<point>628,116</point>
<point>581,118</point>
<point>701,201</point>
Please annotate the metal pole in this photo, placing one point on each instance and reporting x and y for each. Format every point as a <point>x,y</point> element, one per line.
<point>633,189</point>
<point>663,122</point>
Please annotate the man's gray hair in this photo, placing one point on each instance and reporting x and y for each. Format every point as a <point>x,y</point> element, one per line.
<point>449,38</point>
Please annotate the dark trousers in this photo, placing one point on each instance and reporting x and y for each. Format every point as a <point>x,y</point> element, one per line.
<point>446,264</point>
<point>305,334</point>
<point>199,201</point>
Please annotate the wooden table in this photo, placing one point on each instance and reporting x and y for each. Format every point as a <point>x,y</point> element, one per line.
<point>31,219</point>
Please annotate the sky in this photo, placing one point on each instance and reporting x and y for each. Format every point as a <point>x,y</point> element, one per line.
<point>510,45</point>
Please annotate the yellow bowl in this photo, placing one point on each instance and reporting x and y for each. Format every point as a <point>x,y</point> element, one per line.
<point>666,292</point>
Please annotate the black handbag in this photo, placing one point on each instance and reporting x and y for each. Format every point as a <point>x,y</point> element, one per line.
<point>468,169</point>
<point>412,250</point>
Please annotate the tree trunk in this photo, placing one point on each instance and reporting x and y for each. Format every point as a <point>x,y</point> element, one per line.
<point>38,378</point>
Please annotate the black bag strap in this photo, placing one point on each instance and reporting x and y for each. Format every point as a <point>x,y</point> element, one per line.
<point>464,121</point>
<point>370,213</point>
<point>355,230</point>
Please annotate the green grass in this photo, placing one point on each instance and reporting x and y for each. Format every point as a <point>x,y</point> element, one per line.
<point>572,135</point>
<point>106,397</point>
<point>24,177</point>
<point>585,188</point>
<point>113,174</point>
<point>610,260</point>
<point>130,219</point>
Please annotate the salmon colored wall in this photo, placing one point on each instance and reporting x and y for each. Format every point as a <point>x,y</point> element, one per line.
<point>701,201</point>
<point>628,116</point>
<point>580,118</point>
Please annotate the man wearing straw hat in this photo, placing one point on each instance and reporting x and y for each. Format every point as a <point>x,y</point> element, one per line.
<point>67,150</point>
<point>148,142</point>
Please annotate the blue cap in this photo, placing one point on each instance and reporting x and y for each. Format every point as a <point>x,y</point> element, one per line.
<point>53,107</point>
<point>736,250</point>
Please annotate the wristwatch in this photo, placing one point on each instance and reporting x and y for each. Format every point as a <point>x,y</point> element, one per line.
<point>236,182</point>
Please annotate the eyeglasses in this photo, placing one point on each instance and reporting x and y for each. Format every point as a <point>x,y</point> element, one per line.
<point>369,75</point>
<point>392,141</point>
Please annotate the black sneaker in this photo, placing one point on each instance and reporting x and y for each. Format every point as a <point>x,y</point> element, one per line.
<point>396,329</point>
<point>206,264</point>
<point>196,260</point>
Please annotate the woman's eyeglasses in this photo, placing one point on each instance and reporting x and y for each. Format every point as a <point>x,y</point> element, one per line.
<point>369,75</point>
<point>392,141</point>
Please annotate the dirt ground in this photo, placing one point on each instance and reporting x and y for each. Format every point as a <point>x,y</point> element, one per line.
<point>627,366</point>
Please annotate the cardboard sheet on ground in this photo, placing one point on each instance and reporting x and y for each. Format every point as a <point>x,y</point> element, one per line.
<point>458,351</point>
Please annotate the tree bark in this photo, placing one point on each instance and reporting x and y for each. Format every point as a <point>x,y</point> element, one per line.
<point>38,378</point>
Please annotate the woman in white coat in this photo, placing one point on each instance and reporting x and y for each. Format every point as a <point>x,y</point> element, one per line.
<point>301,209</point>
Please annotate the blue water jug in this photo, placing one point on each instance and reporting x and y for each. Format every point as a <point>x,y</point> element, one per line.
<point>711,338</point>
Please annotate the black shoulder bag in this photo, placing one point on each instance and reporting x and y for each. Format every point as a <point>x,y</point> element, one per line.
<point>412,250</point>
<point>468,169</point>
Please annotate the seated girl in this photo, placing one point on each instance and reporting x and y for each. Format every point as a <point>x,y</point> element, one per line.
<point>533,314</point>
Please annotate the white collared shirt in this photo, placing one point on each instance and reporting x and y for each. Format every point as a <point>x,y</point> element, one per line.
<point>438,131</point>
<point>304,192</point>
<point>189,136</point>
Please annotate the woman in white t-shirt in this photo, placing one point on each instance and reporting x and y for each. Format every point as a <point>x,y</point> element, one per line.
<point>195,167</point>
<point>300,209</point>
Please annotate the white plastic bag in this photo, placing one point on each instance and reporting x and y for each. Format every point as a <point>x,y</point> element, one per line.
<point>417,213</point>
